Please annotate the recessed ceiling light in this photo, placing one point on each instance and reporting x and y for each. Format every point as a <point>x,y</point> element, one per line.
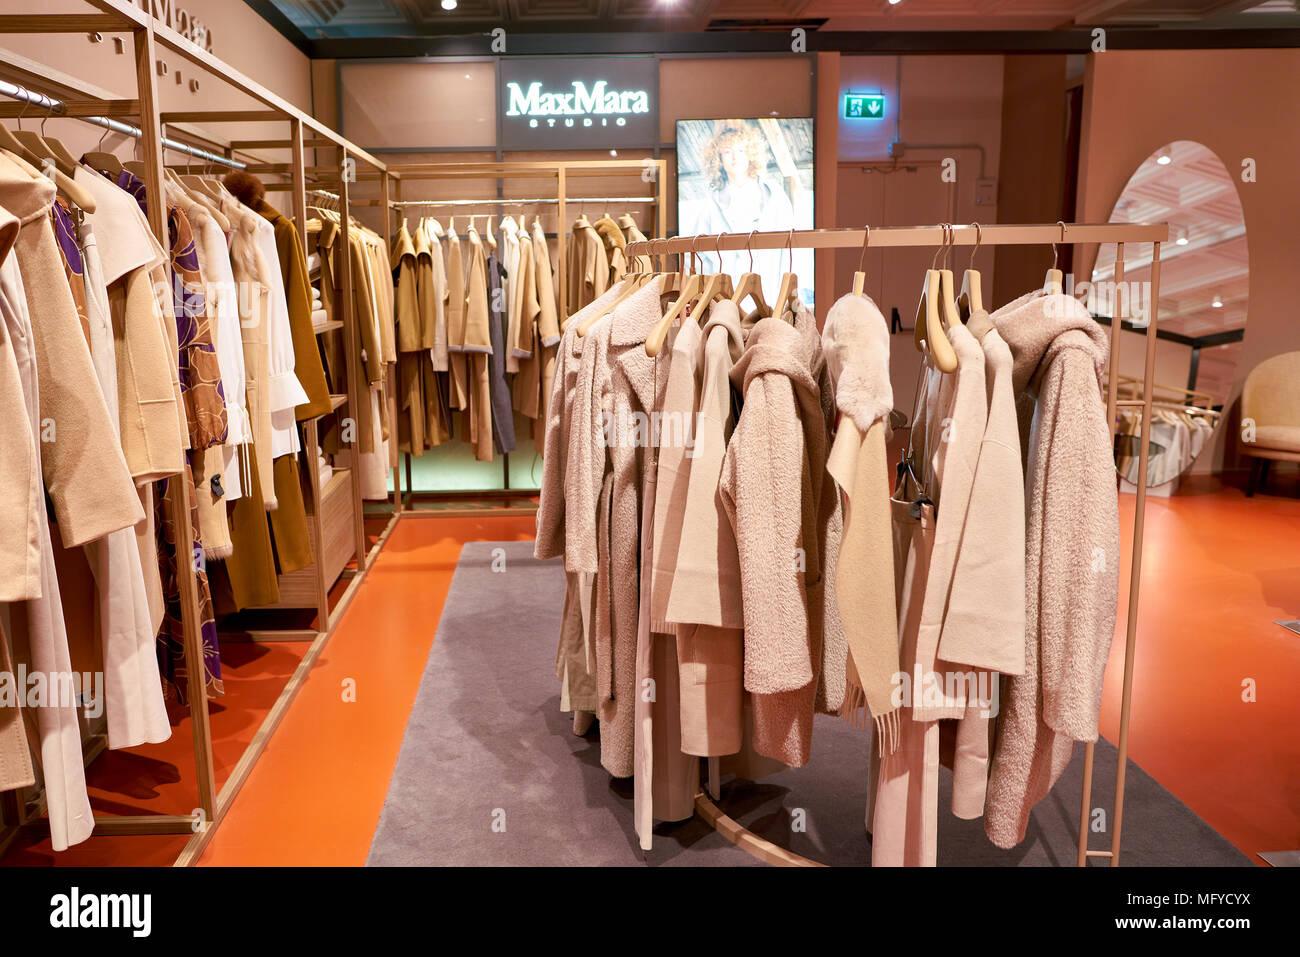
<point>894,3</point>
<point>449,4</point>
<point>467,76</point>
<point>1217,303</point>
<point>1163,158</point>
<point>1180,236</point>
<point>613,152</point>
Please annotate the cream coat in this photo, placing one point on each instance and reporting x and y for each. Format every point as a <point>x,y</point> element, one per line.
<point>134,707</point>
<point>1072,553</point>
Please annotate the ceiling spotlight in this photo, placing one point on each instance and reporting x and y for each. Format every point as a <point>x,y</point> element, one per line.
<point>449,4</point>
<point>1163,158</point>
<point>894,3</point>
<point>1216,303</point>
<point>1180,236</point>
<point>613,152</point>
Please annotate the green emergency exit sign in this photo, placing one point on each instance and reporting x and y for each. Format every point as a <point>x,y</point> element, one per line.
<point>864,106</point>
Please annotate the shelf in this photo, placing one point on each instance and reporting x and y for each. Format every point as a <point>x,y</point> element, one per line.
<point>298,589</point>
<point>338,401</point>
<point>328,326</point>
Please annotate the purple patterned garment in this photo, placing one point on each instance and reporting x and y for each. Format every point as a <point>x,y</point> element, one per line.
<point>205,408</point>
<point>65,235</point>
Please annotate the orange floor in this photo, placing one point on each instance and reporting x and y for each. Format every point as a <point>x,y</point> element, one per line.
<point>1218,570</point>
<point>314,797</point>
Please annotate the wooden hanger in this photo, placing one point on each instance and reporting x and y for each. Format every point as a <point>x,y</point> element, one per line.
<point>789,285</point>
<point>951,317</point>
<point>99,160</point>
<point>691,287</point>
<point>198,196</point>
<point>749,284</point>
<point>1054,283</point>
<point>717,285</point>
<point>860,277</point>
<point>970,300</point>
<point>47,148</point>
<point>929,335</point>
<point>73,192</point>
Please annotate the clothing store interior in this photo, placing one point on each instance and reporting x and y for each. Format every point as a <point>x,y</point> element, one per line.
<point>561,436</point>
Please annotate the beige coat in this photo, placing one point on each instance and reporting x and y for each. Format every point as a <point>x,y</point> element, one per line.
<point>1072,553</point>
<point>704,602</point>
<point>84,471</point>
<point>776,460</point>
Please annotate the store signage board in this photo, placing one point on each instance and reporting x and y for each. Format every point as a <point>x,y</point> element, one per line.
<point>578,102</point>
<point>864,106</point>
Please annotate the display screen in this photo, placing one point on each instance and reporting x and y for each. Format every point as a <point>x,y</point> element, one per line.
<point>735,176</point>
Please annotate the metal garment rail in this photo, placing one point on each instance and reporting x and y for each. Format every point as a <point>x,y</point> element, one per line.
<point>994,235</point>
<point>60,109</point>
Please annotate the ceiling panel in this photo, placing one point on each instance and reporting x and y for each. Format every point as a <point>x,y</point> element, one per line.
<point>405,18</point>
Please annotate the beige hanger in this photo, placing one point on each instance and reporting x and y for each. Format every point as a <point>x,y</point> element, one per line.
<point>72,191</point>
<point>654,342</point>
<point>951,317</point>
<point>99,160</point>
<point>716,286</point>
<point>750,284</point>
<point>44,147</point>
<point>491,240</point>
<point>860,277</point>
<point>789,284</point>
<point>970,300</point>
<point>1054,283</point>
<point>186,185</point>
<point>929,334</point>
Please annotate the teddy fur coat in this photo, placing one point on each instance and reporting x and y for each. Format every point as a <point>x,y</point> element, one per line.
<point>784,509</point>
<point>1072,553</point>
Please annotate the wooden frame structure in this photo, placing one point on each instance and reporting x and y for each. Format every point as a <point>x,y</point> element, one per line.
<point>85,101</point>
<point>993,235</point>
<point>563,173</point>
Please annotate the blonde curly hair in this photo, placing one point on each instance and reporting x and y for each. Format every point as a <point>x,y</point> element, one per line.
<point>755,147</point>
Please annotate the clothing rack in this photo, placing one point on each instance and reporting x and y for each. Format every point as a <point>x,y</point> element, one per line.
<point>562,172</point>
<point>59,108</point>
<point>993,235</point>
<point>546,200</point>
<point>76,99</point>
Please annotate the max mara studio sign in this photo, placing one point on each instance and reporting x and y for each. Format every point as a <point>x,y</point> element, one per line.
<point>563,103</point>
<point>582,106</point>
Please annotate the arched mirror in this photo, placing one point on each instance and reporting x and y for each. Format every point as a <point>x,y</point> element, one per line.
<point>1204,283</point>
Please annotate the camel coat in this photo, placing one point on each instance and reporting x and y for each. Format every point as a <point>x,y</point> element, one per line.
<point>1072,553</point>
<point>776,459</point>
<point>292,264</point>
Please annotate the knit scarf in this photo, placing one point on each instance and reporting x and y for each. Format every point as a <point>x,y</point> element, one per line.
<point>856,343</point>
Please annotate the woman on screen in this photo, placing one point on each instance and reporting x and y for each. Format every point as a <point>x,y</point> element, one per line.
<point>740,198</point>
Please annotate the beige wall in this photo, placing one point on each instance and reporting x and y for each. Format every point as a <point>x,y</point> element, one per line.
<point>1031,178</point>
<point>1239,103</point>
<point>943,99</point>
<point>240,37</point>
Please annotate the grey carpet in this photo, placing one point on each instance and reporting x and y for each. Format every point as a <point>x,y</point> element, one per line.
<point>490,772</point>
